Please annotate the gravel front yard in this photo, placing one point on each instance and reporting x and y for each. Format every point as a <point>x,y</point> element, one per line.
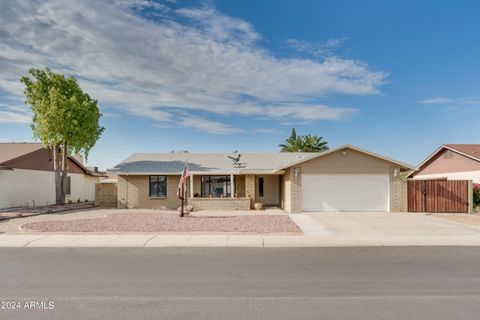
<point>170,222</point>
<point>33,211</point>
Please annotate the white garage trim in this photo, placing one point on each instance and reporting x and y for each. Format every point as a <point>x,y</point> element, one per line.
<point>345,192</point>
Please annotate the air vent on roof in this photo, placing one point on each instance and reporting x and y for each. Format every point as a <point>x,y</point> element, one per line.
<point>179,151</point>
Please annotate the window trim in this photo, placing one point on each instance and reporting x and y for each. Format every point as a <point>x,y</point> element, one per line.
<point>229,184</point>
<point>150,187</point>
<point>261,187</point>
<point>68,187</point>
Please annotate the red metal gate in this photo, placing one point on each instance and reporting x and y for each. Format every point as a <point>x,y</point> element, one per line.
<point>438,195</point>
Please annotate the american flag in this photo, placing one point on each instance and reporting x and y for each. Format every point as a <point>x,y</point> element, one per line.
<point>183,181</point>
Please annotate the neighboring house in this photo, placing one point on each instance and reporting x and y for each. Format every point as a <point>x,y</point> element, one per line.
<point>342,179</point>
<point>27,177</point>
<point>452,162</point>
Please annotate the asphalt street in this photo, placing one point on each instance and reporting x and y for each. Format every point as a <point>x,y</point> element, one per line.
<point>235,283</point>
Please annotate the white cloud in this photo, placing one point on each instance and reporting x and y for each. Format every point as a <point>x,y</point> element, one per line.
<point>189,60</point>
<point>219,26</point>
<point>139,4</point>
<point>14,117</point>
<point>308,112</point>
<point>206,125</point>
<point>317,49</point>
<point>439,100</point>
<point>14,112</point>
<point>455,101</point>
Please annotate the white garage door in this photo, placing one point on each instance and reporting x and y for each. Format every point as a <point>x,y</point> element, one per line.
<point>345,192</point>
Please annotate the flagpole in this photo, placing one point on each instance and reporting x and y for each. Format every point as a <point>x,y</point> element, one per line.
<point>181,209</point>
<point>182,196</point>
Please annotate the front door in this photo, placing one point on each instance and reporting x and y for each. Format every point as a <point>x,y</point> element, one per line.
<point>268,187</point>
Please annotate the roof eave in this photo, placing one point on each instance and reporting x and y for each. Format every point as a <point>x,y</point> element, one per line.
<point>404,166</point>
<point>86,170</point>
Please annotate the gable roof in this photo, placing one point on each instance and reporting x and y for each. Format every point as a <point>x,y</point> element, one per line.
<point>220,163</point>
<point>404,166</point>
<point>10,151</point>
<point>14,150</point>
<point>471,151</point>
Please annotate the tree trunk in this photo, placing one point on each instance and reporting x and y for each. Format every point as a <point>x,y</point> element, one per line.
<point>58,180</point>
<point>64,172</point>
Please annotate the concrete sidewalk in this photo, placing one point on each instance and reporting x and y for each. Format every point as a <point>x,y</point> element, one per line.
<point>184,240</point>
<point>339,229</point>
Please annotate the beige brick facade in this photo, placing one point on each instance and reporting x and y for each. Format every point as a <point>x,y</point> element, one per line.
<point>293,189</point>
<point>250,190</point>
<point>220,203</point>
<point>240,186</point>
<point>398,191</point>
<point>133,193</point>
<point>345,161</point>
<point>133,190</point>
<point>106,194</point>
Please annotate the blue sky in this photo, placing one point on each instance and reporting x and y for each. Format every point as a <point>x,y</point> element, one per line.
<point>398,78</point>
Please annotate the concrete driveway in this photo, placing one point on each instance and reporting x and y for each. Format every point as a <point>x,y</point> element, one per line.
<point>378,223</point>
<point>385,228</point>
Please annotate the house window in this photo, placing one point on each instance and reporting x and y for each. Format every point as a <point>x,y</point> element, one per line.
<point>158,186</point>
<point>216,186</point>
<point>260,187</point>
<point>68,187</point>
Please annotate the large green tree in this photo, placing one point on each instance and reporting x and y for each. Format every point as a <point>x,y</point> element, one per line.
<point>65,119</point>
<point>303,143</point>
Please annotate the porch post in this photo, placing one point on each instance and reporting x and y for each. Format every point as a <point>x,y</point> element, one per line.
<point>232,187</point>
<point>191,185</point>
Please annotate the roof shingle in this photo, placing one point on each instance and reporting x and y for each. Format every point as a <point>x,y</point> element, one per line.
<point>10,151</point>
<point>473,150</point>
<point>211,163</point>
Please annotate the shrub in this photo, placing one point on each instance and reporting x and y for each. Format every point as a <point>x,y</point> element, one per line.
<point>476,195</point>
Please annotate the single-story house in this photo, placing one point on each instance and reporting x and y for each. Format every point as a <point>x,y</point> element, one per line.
<point>451,162</point>
<point>341,179</point>
<point>27,177</point>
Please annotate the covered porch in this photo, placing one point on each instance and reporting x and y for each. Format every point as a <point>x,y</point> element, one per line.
<point>235,191</point>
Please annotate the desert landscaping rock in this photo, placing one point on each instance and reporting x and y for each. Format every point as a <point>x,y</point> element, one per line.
<point>170,222</point>
<point>33,211</point>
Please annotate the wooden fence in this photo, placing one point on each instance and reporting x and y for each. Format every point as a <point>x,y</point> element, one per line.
<point>438,195</point>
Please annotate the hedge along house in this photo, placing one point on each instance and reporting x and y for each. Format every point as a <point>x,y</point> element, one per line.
<point>27,177</point>
<point>342,179</point>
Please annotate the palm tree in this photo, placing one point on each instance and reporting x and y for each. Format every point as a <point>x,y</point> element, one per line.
<point>292,144</point>
<point>304,143</point>
<point>313,143</point>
